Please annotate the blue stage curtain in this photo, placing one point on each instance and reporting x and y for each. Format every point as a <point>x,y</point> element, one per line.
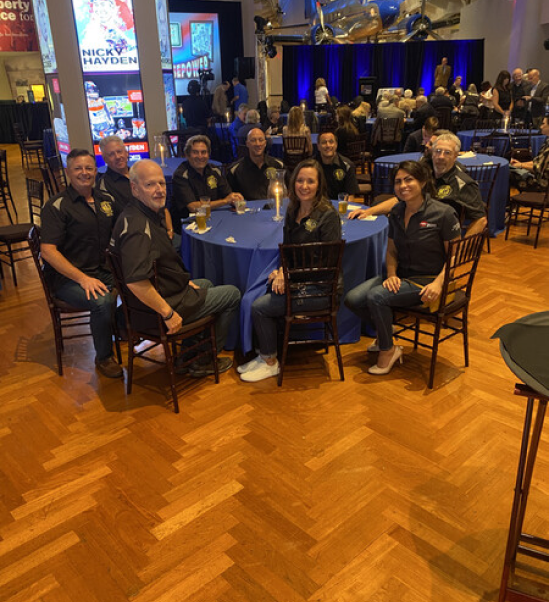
<point>410,65</point>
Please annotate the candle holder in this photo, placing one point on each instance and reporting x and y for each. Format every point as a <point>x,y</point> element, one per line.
<point>277,192</point>
<point>278,202</point>
<point>161,149</point>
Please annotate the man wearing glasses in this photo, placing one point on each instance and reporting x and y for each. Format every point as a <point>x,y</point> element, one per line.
<point>454,187</point>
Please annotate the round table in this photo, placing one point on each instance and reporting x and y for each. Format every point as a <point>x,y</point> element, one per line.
<point>248,262</point>
<point>500,193</point>
<point>466,138</point>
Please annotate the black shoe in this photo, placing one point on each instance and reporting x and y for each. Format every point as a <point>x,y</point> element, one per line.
<point>109,368</point>
<point>199,370</point>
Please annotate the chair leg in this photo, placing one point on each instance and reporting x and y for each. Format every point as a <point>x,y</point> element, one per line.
<point>12,263</point>
<point>58,336</point>
<point>465,329</point>
<point>509,219</point>
<point>538,229</point>
<point>131,352</point>
<point>416,335</point>
<point>169,365</point>
<point>530,221</point>
<point>284,352</point>
<point>335,336</point>
<point>436,336</point>
<point>213,345</point>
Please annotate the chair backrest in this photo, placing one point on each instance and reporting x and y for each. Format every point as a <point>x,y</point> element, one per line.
<point>34,245</point>
<point>19,133</point>
<point>295,150</point>
<point>46,177</point>
<point>172,137</point>
<point>444,116</point>
<point>316,264</point>
<point>382,178</point>
<point>461,265</point>
<point>4,179</point>
<point>35,197</point>
<point>521,145</point>
<point>57,173</point>
<point>386,130</point>
<point>485,176</point>
<point>139,317</point>
<point>356,150</point>
<point>486,125</point>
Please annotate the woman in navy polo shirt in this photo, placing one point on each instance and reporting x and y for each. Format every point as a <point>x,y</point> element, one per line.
<point>420,229</point>
<point>310,217</point>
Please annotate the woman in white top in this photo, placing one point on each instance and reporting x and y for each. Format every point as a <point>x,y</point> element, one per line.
<point>486,102</point>
<point>322,96</point>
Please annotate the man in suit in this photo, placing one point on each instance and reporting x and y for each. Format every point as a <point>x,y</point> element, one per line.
<point>441,100</point>
<point>423,111</point>
<point>519,89</point>
<point>537,98</point>
<point>442,73</point>
<point>391,110</point>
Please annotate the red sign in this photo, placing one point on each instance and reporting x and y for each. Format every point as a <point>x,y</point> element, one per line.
<point>17,32</point>
<point>55,84</point>
<point>135,95</point>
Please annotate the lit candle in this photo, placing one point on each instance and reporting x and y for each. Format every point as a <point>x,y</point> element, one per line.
<point>228,116</point>
<point>506,123</point>
<point>162,153</point>
<point>277,190</point>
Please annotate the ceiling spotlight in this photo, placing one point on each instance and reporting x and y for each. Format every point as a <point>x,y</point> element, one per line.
<point>260,23</point>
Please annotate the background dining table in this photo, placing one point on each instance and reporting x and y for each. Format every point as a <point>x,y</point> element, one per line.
<point>248,261</point>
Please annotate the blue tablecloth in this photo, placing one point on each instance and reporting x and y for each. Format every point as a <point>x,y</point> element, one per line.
<point>248,263</point>
<point>466,137</point>
<point>500,193</point>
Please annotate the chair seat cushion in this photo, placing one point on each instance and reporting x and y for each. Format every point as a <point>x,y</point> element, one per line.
<point>14,233</point>
<point>532,199</point>
<point>459,301</point>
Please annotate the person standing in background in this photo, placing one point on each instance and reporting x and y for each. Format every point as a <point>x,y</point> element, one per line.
<point>240,94</point>
<point>442,74</point>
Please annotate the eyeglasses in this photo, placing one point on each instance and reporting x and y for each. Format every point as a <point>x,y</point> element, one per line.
<point>440,151</point>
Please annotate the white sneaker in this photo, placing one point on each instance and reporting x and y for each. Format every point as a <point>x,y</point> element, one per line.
<point>249,365</point>
<point>260,372</point>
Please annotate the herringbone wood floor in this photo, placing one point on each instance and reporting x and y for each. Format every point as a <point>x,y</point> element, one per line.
<point>375,489</point>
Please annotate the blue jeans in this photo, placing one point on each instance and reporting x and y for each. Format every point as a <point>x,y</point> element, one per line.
<point>268,309</point>
<point>373,303</point>
<point>220,300</point>
<point>101,312</point>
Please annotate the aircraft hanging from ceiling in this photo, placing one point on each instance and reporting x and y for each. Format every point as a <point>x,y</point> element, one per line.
<point>351,21</point>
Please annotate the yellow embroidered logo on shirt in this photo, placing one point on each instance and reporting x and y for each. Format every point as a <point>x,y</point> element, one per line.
<point>310,225</point>
<point>211,182</point>
<point>106,208</point>
<point>339,174</point>
<point>444,191</point>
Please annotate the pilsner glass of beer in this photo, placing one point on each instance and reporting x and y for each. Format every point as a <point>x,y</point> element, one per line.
<point>201,220</point>
<point>343,202</point>
<point>205,202</point>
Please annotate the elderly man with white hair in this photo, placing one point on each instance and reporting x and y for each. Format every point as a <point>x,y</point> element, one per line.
<point>407,104</point>
<point>424,110</point>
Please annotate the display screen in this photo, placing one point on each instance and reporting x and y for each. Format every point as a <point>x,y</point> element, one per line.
<point>195,47</point>
<point>164,34</point>
<point>112,83</point>
<point>106,35</point>
<point>45,39</point>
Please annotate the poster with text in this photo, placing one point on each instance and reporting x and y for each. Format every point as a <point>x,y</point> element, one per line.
<point>58,116</point>
<point>195,47</point>
<point>164,34</point>
<point>17,33</point>
<point>106,35</point>
<point>171,100</point>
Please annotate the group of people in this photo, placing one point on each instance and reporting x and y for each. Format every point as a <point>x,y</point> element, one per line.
<point>126,211</point>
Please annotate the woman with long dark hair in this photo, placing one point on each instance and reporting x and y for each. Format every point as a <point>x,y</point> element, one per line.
<point>501,94</point>
<point>310,217</point>
<point>420,229</point>
<point>346,130</point>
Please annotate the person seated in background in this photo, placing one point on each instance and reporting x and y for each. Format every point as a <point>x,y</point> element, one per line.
<point>469,102</point>
<point>239,120</point>
<point>407,104</point>
<point>339,171</point>
<point>538,167</point>
<point>346,130</point>
<point>310,217</point>
<point>416,141</point>
<point>273,124</point>
<point>424,110</point>
<point>440,99</point>
<point>392,110</point>
<point>250,175</point>
<point>76,226</point>
<point>139,239</point>
<point>195,107</point>
<point>453,186</point>
<point>252,122</point>
<point>195,178</point>
<point>420,230</point>
<point>296,127</point>
<point>361,114</point>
